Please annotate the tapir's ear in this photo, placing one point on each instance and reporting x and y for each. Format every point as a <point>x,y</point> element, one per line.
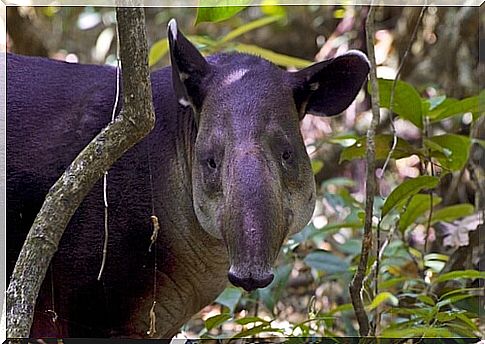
<point>189,68</point>
<point>329,87</point>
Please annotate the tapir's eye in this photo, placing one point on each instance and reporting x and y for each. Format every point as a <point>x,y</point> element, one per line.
<point>211,163</point>
<point>286,156</point>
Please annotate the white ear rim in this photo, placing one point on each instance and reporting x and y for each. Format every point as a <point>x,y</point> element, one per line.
<point>358,53</point>
<point>172,25</point>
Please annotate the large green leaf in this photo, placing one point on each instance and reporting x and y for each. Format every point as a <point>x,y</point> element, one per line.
<point>326,262</point>
<point>383,144</point>
<point>453,150</point>
<point>407,189</point>
<point>418,205</point>
<point>452,212</point>
<point>219,10</point>
<point>279,59</point>
<point>452,107</point>
<point>406,103</point>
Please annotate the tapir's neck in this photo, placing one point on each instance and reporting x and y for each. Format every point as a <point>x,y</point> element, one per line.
<point>192,265</point>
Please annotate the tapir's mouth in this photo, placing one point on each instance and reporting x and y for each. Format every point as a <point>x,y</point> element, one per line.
<point>250,280</point>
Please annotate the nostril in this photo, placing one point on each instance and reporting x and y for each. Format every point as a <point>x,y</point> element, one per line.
<point>250,282</point>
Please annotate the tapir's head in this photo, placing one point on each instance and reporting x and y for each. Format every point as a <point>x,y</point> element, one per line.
<point>251,176</point>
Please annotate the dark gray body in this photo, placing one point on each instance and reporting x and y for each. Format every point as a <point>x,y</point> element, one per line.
<point>225,171</point>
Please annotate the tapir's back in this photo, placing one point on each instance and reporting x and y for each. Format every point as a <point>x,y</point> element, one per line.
<point>54,109</point>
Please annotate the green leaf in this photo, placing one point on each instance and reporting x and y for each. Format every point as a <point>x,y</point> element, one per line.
<point>271,7</point>
<point>383,297</point>
<point>351,246</point>
<point>456,148</point>
<point>461,274</point>
<point>158,50</point>
<point>407,189</point>
<point>467,321</point>
<point>383,144</point>
<point>279,59</point>
<point>435,101</point>
<point>407,102</point>
<point>391,282</point>
<point>219,10</point>
<point>454,299</point>
<point>255,330</point>
<point>453,108</point>
<point>251,320</point>
<point>229,298</point>
<point>272,293</point>
<point>418,205</point>
<point>317,166</point>
<point>452,212</point>
<point>326,262</point>
<point>216,320</point>
<point>426,299</point>
<point>417,331</point>
<point>249,27</point>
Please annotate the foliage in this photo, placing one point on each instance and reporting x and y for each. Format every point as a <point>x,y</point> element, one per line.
<point>404,297</point>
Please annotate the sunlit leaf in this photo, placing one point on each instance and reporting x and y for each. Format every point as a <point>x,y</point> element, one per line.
<point>406,102</point>
<point>249,27</point>
<point>279,59</point>
<point>383,297</point>
<point>383,144</point>
<point>407,189</point>
<point>452,212</point>
<point>418,205</point>
<point>157,51</point>
<point>217,320</point>
<point>326,262</point>
<point>317,166</point>
<point>271,7</point>
<point>455,147</point>
<point>219,10</point>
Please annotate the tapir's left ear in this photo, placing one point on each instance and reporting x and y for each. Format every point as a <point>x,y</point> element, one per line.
<point>329,87</point>
<point>189,69</point>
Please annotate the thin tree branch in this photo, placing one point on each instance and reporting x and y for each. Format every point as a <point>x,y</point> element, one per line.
<point>136,120</point>
<point>356,284</point>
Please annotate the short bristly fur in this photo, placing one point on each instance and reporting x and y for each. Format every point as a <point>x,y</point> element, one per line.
<point>225,171</point>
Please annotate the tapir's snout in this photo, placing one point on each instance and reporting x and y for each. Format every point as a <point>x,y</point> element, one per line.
<point>250,280</point>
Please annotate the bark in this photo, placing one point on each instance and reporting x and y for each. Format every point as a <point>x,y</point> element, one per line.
<point>134,122</point>
<point>355,287</point>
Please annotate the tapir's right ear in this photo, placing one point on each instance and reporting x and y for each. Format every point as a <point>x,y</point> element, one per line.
<point>329,87</point>
<point>189,69</point>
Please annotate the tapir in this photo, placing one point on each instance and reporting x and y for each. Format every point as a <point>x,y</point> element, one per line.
<point>224,172</point>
